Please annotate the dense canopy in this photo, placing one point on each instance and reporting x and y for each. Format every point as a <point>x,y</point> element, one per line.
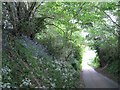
<point>43,42</point>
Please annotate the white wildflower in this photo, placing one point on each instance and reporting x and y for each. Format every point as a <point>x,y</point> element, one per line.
<point>50,79</point>
<point>5,70</point>
<point>26,82</point>
<point>53,84</point>
<point>43,86</point>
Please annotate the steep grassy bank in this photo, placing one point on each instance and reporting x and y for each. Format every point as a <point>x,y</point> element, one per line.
<point>26,64</point>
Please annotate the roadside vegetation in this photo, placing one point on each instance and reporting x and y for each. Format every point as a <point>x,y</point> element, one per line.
<point>43,42</point>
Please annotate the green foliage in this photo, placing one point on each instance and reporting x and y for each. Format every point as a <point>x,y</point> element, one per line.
<point>77,53</point>
<point>55,61</point>
<point>114,68</point>
<point>18,68</point>
<point>95,62</point>
<point>108,6</point>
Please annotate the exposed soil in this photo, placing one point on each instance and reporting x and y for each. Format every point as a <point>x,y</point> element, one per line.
<point>104,72</point>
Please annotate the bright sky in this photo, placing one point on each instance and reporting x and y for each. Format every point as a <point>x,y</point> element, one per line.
<point>113,17</point>
<point>88,54</point>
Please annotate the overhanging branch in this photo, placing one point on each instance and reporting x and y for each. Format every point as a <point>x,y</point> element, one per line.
<point>37,7</point>
<point>55,26</point>
<point>79,10</point>
<point>109,28</point>
<point>109,17</point>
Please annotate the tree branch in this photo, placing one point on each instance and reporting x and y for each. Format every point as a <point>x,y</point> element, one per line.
<point>30,10</point>
<point>55,26</point>
<point>109,28</point>
<point>81,7</point>
<point>108,17</point>
<point>37,7</point>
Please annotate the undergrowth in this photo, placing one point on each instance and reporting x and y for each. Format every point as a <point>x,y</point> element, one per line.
<point>27,65</point>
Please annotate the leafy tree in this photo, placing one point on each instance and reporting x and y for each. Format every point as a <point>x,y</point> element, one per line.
<point>43,41</point>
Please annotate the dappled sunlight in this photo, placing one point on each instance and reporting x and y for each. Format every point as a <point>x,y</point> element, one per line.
<point>88,54</point>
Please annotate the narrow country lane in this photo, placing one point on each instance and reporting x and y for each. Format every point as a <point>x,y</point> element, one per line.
<point>93,79</point>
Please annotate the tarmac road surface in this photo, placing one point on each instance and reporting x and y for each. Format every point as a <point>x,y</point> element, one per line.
<point>93,79</point>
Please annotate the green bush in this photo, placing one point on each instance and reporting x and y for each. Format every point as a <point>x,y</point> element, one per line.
<point>95,62</point>
<point>114,67</point>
